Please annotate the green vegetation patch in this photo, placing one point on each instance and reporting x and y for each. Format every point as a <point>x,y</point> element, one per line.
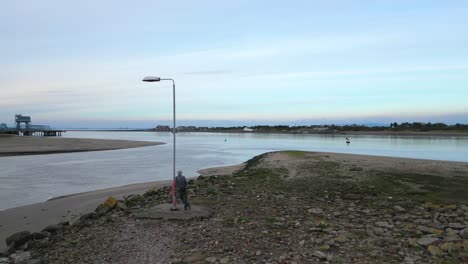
<point>295,153</point>
<point>428,187</point>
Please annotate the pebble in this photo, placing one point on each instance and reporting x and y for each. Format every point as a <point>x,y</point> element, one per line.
<point>383,224</point>
<point>320,255</point>
<point>434,250</point>
<point>211,259</point>
<point>464,233</point>
<point>426,241</point>
<point>456,225</point>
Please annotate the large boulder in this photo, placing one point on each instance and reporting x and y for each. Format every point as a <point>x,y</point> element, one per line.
<point>18,239</point>
<point>89,216</point>
<point>52,229</point>
<point>105,207</point>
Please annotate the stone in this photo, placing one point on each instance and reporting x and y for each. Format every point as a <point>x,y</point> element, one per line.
<point>224,260</point>
<point>383,224</point>
<point>320,255</point>
<point>426,230</point>
<point>4,260</point>
<point>434,250</point>
<point>464,233</point>
<point>32,244</point>
<point>52,228</point>
<point>258,253</point>
<point>413,242</point>
<point>425,241</point>
<point>399,208</point>
<point>211,259</point>
<point>89,216</point>
<point>102,209</point>
<point>194,258</point>
<point>20,257</point>
<point>465,245</point>
<point>121,206</point>
<point>448,247</point>
<point>110,202</point>
<point>456,225</point>
<point>341,238</point>
<point>325,247</point>
<point>18,239</point>
<point>34,261</point>
<point>40,235</point>
<point>450,206</point>
<point>315,211</point>
<point>378,231</point>
<point>408,260</point>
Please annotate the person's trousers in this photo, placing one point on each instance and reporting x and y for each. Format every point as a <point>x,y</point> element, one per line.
<point>184,198</point>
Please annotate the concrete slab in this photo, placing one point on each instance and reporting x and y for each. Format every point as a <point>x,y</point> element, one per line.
<point>163,211</point>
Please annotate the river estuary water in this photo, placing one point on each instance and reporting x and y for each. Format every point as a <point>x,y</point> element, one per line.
<point>31,179</point>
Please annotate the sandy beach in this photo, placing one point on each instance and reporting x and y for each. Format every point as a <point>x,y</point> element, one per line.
<point>16,145</point>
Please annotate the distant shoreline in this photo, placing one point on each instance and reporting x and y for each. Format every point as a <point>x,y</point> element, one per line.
<point>367,133</point>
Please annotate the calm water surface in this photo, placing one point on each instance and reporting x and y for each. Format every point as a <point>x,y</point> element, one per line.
<point>30,179</point>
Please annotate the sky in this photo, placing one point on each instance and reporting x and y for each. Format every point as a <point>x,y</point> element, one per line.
<point>78,64</point>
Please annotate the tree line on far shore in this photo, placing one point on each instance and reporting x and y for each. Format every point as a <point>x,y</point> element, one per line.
<point>406,126</point>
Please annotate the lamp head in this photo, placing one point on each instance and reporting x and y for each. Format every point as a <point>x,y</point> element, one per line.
<point>151,79</point>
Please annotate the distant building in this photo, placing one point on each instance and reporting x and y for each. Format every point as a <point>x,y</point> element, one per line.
<point>246,129</point>
<point>320,129</point>
<point>22,119</point>
<point>203,128</point>
<point>163,128</point>
<point>3,126</point>
<point>186,128</point>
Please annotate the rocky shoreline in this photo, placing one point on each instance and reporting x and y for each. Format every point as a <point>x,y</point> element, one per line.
<point>282,207</point>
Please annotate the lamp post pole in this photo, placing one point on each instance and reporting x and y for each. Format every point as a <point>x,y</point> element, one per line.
<point>174,145</point>
<point>157,79</point>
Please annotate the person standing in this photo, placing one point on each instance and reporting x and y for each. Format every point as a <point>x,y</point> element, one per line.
<point>181,186</point>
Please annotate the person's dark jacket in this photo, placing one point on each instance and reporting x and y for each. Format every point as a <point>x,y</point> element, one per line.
<point>181,183</point>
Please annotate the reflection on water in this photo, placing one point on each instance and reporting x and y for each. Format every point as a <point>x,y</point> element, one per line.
<point>29,179</point>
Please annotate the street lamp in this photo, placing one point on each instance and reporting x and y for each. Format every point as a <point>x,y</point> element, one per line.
<point>158,79</point>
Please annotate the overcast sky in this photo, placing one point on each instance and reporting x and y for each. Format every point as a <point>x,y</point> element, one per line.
<point>80,63</point>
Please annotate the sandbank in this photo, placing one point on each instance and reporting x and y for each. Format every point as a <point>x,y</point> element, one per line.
<point>17,145</point>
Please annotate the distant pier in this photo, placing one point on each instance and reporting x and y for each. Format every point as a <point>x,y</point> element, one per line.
<point>28,129</point>
<point>45,133</point>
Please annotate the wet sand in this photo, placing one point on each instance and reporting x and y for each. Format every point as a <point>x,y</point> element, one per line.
<point>16,145</point>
